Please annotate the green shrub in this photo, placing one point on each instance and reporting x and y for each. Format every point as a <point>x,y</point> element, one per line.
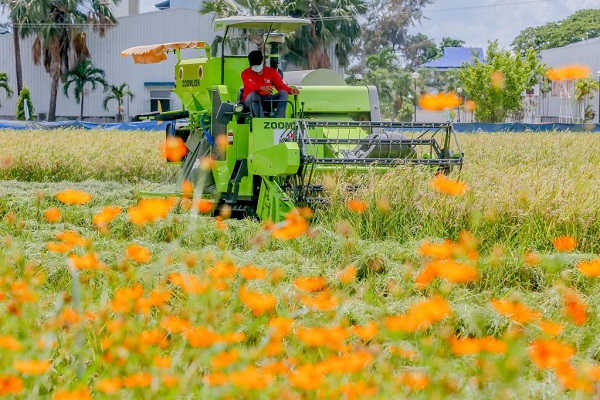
<point>25,95</point>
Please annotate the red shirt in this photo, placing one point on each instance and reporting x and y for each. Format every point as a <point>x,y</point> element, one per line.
<point>268,77</point>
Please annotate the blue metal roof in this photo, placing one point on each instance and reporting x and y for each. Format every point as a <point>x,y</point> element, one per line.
<point>454,57</point>
<point>163,5</point>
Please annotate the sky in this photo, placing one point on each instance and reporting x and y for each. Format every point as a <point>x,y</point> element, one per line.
<point>479,21</point>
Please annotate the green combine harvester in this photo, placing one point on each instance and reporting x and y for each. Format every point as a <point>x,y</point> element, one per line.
<point>273,165</point>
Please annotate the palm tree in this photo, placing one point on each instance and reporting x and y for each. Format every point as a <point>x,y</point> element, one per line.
<point>61,43</point>
<point>17,12</point>
<point>332,22</point>
<point>584,92</point>
<point>4,84</point>
<point>118,93</point>
<point>83,73</point>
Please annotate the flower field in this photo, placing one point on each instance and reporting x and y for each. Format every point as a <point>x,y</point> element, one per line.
<point>479,285</point>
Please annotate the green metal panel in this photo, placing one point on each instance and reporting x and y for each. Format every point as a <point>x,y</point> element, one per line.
<point>278,160</point>
<point>335,99</point>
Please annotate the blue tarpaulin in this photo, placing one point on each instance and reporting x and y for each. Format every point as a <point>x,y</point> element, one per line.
<point>123,126</point>
<point>154,126</point>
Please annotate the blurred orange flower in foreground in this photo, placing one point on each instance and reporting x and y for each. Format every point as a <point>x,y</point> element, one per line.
<point>86,261</point>
<point>575,308</point>
<point>204,206</point>
<point>515,311</point>
<point>467,346</point>
<point>439,102</point>
<point>357,206</point>
<point>420,316</point>
<point>10,384</point>
<point>173,149</point>
<point>257,302</point>
<point>150,210</point>
<point>71,196</point>
<point>498,80</point>
<point>414,380</point>
<point>470,106</point>
<point>52,214</point>
<point>32,367</point>
<point>106,215</point>
<point>310,283</point>
<point>77,394</point>
<point>565,243</point>
<point>568,73</point>
<point>549,353</point>
<point>294,225</point>
<point>444,185</point>
<point>138,253</point>
<point>450,270</point>
<point>589,268</point>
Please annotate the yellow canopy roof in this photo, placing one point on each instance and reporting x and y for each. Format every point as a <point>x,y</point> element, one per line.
<point>155,53</point>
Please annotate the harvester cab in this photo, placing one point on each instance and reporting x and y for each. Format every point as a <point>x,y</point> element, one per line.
<point>266,166</point>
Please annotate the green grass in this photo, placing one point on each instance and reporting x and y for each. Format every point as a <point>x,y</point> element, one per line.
<point>524,190</point>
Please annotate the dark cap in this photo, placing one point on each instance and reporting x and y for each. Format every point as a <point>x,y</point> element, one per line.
<point>255,57</point>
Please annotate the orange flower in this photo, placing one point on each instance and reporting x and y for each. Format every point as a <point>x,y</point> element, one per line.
<point>470,106</point>
<point>106,215</point>
<point>551,328</point>
<point>159,297</point>
<point>468,346</point>
<point>348,274</point>
<point>310,284</point>
<point>515,311</point>
<point>190,284</point>
<point>173,149</point>
<point>447,186</point>
<point>175,324</point>
<point>141,379</point>
<point>332,337</point>
<point>281,326</point>
<point>71,196</point>
<point>32,367</point>
<point>420,316</point>
<point>138,253</point>
<point>439,102</point>
<point>497,80</point>
<point>150,210</point>
<point>109,386</point>
<point>589,268</point>
<point>294,226</point>
<point>568,73</point>
<point>187,189</point>
<point>450,270</point>
<point>307,377</point>
<point>87,261</point>
<point>251,378</point>
<point>204,206</point>
<point>414,380</point>
<point>59,247</point>
<point>366,332</point>
<point>216,379</point>
<point>224,359</point>
<point>52,214</point>
<point>549,353</point>
<point>71,237</point>
<point>221,270</point>
<point>257,302</point>
<point>251,272</point>
<point>77,394</point>
<point>323,301</point>
<point>10,385</point>
<point>575,308</point>
<point>440,251</point>
<point>357,390</point>
<point>532,258</point>
<point>565,243</point>
<point>125,298</point>
<point>9,343</point>
<point>357,206</point>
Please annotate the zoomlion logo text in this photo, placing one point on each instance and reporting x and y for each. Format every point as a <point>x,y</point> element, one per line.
<point>278,125</point>
<point>190,82</point>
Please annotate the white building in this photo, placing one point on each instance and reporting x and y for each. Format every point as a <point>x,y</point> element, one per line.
<point>559,104</point>
<point>177,20</point>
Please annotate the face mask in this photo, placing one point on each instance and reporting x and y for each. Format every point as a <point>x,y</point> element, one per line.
<point>257,68</point>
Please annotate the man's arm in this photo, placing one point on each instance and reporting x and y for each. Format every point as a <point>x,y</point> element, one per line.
<point>280,85</point>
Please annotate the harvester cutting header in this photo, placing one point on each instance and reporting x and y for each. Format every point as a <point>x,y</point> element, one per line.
<point>274,163</point>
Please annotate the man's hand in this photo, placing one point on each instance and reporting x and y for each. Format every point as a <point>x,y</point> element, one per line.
<point>295,91</point>
<point>268,89</point>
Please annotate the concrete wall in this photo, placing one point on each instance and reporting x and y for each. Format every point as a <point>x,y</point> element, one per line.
<point>584,53</point>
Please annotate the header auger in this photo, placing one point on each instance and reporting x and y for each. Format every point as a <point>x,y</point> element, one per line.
<point>274,164</point>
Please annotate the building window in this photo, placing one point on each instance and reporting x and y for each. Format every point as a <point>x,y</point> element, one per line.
<point>162,96</point>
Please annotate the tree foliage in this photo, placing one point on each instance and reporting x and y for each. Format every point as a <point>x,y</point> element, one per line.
<point>584,24</point>
<point>118,93</point>
<point>585,90</point>
<point>497,84</point>
<point>420,49</point>
<point>83,73</point>
<point>60,42</point>
<point>4,84</point>
<point>25,97</point>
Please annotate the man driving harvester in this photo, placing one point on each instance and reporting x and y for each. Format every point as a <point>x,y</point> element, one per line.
<point>260,83</point>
